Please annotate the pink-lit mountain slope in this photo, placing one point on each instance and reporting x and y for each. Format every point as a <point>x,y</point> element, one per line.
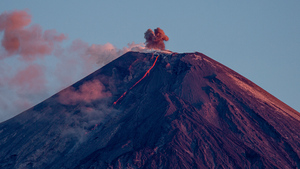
<point>156,110</point>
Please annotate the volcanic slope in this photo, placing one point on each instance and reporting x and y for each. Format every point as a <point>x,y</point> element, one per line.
<point>163,110</point>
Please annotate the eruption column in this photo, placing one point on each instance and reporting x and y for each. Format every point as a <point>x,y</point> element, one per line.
<point>147,73</point>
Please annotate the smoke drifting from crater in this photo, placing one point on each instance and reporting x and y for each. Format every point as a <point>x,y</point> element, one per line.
<point>34,63</point>
<point>88,92</point>
<point>155,40</point>
<point>28,42</point>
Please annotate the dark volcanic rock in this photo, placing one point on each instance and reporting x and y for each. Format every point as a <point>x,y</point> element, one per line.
<point>189,111</point>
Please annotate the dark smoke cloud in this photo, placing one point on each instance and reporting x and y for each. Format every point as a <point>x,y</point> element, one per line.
<point>14,20</point>
<point>34,64</point>
<point>155,40</point>
<point>88,92</point>
<point>29,42</point>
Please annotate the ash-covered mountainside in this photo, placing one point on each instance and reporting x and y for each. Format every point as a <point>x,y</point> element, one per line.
<point>155,110</point>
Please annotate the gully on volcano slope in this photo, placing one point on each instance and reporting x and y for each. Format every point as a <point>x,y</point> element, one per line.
<point>147,73</point>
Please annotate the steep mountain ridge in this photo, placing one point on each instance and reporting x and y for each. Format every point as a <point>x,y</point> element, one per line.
<point>178,111</point>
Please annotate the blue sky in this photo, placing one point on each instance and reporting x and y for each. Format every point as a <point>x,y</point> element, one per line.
<point>258,39</point>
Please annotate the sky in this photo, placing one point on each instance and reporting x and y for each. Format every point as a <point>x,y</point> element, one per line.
<point>63,41</point>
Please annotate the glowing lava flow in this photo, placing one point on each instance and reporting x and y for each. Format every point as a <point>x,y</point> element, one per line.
<point>120,98</point>
<point>94,128</point>
<point>147,73</point>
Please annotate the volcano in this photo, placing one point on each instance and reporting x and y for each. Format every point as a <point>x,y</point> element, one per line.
<point>156,110</point>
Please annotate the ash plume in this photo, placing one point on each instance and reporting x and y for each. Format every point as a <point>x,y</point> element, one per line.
<point>28,42</point>
<point>25,51</point>
<point>155,40</point>
<point>87,93</point>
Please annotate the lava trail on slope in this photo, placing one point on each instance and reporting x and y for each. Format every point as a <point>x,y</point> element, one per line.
<point>147,73</point>
<point>190,112</point>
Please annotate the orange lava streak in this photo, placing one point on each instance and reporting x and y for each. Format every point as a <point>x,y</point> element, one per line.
<point>120,98</point>
<point>147,73</point>
<point>94,128</point>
